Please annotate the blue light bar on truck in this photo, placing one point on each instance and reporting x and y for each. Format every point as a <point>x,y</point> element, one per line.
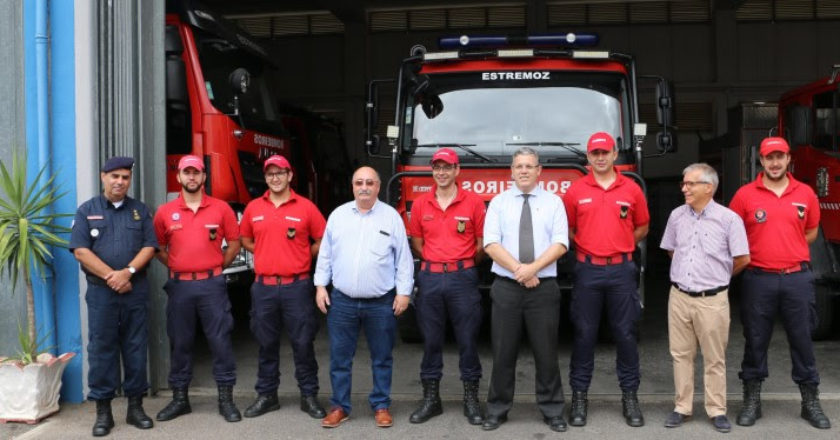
<point>565,40</point>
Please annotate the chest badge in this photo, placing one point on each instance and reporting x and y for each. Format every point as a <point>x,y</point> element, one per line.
<point>800,210</point>
<point>624,211</point>
<point>135,215</point>
<point>176,216</point>
<point>94,232</point>
<point>290,233</point>
<point>462,226</point>
<point>760,215</point>
<point>212,234</point>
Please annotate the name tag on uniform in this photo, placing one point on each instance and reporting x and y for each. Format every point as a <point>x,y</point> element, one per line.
<point>294,219</point>
<point>584,201</point>
<point>211,226</point>
<point>462,219</point>
<point>428,218</point>
<point>95,217</point>
<point>176,226</point>
<point>258,218</point>
<point>622,203</point>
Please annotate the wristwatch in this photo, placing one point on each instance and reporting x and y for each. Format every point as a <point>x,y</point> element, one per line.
<point>131,270</point>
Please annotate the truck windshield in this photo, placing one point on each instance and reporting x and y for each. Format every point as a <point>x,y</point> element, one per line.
<point>554,116</point>
<point>218,58</point>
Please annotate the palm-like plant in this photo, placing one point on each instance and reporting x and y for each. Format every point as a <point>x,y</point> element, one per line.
<point>27,231</point>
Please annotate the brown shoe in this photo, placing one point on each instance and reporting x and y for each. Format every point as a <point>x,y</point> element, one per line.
<point>383,418</point>
<point>334,418</point>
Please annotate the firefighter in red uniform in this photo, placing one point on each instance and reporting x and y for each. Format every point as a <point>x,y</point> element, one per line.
<point>446,229</point>
<point>190,230</point>
<point>284,231</point>
<point>607,215</point>
<point>782,216</point>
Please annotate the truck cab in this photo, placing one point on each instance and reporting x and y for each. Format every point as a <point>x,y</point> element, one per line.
<point>487,96</point>
<point>809,118</point>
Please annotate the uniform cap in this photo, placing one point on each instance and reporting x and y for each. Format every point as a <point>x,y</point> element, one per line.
<point>447,155</point>
<point>190,161</point>
<point>771,144</point>
<point>117,163</point>
<point>278,161</point>
<point>600,141</point>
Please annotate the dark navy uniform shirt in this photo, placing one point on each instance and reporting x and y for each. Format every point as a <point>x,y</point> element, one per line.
<point>115,235</point>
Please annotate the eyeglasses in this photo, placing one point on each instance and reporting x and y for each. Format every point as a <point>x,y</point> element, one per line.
<point>281,173</point>
<point>691,183</point>
<point>365,182</point>
<point>447,168</point>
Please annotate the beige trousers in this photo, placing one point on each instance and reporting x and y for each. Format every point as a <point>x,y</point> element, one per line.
<point>704,320</point>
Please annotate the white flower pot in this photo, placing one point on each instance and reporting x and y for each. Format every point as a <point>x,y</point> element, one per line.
<point>30,393</point>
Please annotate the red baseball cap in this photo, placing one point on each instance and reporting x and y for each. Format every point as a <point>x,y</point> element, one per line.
<point>191,161</point>
<point>771,144</point>
<point>278,161</point>
<point>447,155</point>
<point>600,141</point>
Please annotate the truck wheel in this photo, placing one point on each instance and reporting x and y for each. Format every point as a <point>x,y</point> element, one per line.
<point>407,326</point>
<point>825,312</point>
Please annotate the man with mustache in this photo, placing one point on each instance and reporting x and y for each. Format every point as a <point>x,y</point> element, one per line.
<point>366,256</point>
<point>190,230</point>
<point>608,216</point>
<point>782,217</point>
<point>113,239</point>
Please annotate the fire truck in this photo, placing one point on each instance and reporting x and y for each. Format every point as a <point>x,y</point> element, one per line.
<point>809,118</point>
<point>220,107</point>
<point>486,96</point>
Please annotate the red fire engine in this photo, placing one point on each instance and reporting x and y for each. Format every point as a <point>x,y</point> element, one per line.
<point>487,96</point>
<point>809,117</point>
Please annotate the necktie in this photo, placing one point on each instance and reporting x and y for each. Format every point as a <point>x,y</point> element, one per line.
<point>526,233</point>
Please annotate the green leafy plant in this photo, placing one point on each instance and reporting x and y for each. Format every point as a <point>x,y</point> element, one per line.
<point>27,231</point>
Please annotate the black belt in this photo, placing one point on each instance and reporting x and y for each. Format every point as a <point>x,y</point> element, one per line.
<point>509,279</point>
<point>710,292</point>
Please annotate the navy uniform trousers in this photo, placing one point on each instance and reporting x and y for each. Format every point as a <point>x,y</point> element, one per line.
<point>117,327</point>
<point>290,306</point>
<point>205,300</point>
<point>455,294</point>
<point>792,296</point>
<point>613,287</point>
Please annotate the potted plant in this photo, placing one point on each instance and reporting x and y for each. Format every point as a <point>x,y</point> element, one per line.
<point>29,381</point>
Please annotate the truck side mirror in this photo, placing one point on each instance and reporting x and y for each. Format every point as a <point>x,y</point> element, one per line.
<point>239,80</point>
<point>432,105</point>
<point>666,142</point>
<point>799,125</point>
<point>664,103</point>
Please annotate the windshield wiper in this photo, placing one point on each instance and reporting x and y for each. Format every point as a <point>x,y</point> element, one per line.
<point>568,146</point>
<point>465,147</point>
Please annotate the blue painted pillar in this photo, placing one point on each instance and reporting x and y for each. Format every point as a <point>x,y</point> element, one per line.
<point>49,65</point>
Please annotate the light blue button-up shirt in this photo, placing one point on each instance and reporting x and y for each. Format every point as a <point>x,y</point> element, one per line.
<point>365,255</point>
<point>549,221</point>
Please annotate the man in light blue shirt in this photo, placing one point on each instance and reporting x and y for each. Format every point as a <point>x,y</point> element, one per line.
<point>525,232</point>
<point>366,255</point>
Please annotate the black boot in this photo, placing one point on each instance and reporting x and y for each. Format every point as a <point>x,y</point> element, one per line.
<point>179,406</point>
<point>135,414</point>
<point>632,411</point>
<point>751,408</point>
<point>310,405</point>
<point>811,409</point>
<point>104,419</point>
<point>263,404</point>
<point>580,403</point>
<point>431,405</point>
<point>472,409</point>
<point>226,406</point>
